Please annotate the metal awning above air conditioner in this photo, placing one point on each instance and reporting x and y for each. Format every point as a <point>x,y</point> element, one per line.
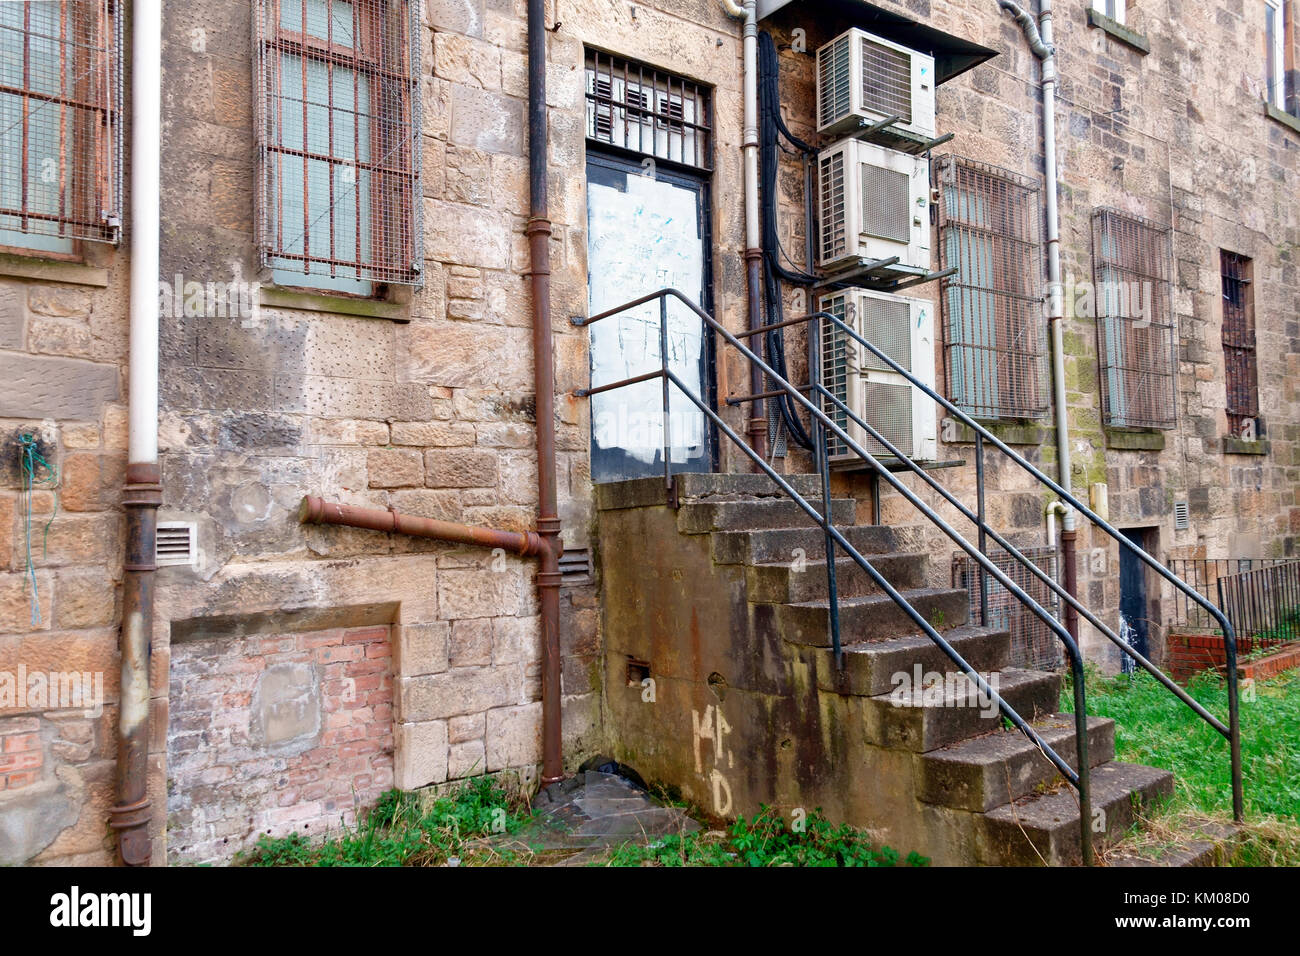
<point>952,55</point>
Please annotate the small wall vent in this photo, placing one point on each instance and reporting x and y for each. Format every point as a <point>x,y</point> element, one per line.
<point>1182,521</point>
<point>575,567</point>
<point>177,543</point>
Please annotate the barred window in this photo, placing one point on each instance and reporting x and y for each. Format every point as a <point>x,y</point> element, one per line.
<point>1239,355</point>
<point>1135,329</point>
<point>339,143</point>
<point>60,124</point>
<point>636,107</point>
<point>994,329</point>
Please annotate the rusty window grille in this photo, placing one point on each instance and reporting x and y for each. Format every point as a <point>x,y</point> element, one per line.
<point>60,124</point>
<point>1240,358</point>
<point>1135,327</point>
<point>994,333</point>
<point>1033,644</point>
<point>339,152</point>
<point>635,107</point>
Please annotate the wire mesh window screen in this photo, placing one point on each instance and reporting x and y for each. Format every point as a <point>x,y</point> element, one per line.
<point>1135,328</point>
<point>60,123</point>
<point>638,108</point>
<point>1240,357</point>
<point>1033,644</point>
<point>995,343</point>
<point>339,142</point>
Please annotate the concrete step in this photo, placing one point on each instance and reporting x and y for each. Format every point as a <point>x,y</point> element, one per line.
<point>775,545</point>
<point>698,516</point>
<point>870,667</point>
<point>801,581</point>
<point>986,772</point>
<point>920,720</point>
<point>1044,829</point>
<point>1205,843</point>
<point>873,617</point>
<point>647,492</point>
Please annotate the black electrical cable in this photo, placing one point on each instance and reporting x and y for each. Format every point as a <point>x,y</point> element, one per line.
<point>771,127</point>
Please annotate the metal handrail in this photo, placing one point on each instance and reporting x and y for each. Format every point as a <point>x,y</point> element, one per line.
<point>1080,778</point>
<point>1233,730</point>
<point>1024,560</point>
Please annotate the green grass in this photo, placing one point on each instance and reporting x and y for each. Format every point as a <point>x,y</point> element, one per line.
<point>765,840</point>
<point>467,822</point>
<point>1153,727</point>
<point>412,829</point>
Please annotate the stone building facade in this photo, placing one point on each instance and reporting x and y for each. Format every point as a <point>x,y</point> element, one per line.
<point>342,660</point>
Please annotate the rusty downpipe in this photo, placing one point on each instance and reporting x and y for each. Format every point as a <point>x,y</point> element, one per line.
<point>548,520</point>
<point>315,510</point>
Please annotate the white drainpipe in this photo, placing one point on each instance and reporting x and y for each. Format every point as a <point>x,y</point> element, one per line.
<point>144,229</point>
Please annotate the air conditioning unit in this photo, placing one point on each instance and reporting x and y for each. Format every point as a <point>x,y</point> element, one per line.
<point>903,329</point>
<point>873,203</point>
<point>862,77</point>
<point>626,113</point>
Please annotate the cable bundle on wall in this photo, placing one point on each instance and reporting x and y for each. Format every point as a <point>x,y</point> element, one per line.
<point>771,128</point>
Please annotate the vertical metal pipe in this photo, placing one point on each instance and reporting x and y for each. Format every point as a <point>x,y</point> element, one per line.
<point>824,471</point>
<point>130,817</point>
<point>983,537</point>
<point>1069,557</point>
<point>663,362</point>
<point>548,521</point>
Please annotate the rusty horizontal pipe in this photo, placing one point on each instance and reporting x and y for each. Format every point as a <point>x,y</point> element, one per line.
<point>314,510</point>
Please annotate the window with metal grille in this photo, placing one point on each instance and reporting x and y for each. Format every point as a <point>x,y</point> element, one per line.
<point>339,143</point>
<point>1033,643</point>
<point>643,110</point>
<point>60,124</point>
<point>994,330</point>
<point>1241,371</point>
<point>1135,329</point>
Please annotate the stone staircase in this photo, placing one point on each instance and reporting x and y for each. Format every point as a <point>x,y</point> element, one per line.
<point>720,609</point>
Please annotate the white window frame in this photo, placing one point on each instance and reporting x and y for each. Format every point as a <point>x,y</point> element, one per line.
<point>1115,9</point>
<point>1275,45</point>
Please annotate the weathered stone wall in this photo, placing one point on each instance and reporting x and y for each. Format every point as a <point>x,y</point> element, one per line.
<point>425,403</point>
<point>62,345</point>
<point>1177,136</point>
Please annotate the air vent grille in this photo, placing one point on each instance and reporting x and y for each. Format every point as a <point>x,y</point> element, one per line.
<point>575,567</point>
<point>834,69</point>
<point>886,324</point>
<point>885,201</point>
<point>834,240</point>
<point>886,81</point>
<point>889,410</point>
<point>175,543</point>
<point>1182,520</point>
<point>835,371</point>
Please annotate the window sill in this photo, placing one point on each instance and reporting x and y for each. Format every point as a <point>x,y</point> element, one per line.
<point>1235,446</point>
<point>1117,30</point>
<point>1280,116</point>
<point>1012,433</point>
<point>1122,439</point>
<point>52,270</point>
<point>277,297</point>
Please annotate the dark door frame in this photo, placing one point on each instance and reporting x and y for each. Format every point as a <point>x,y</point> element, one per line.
<point>612,158</point>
